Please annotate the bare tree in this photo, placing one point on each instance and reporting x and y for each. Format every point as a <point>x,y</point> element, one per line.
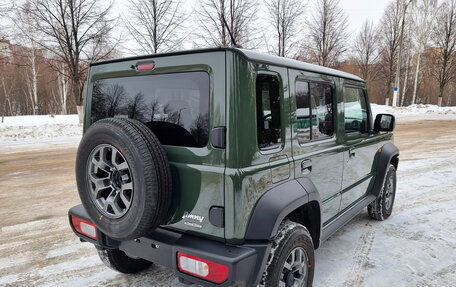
<point>285,16</point>
<point>25,25</point>
<point>240,16</point>
<point>408,59</point>
<point>76,31</point>
<point>155,24</point>
<point>405,5</point>
<point>390,27</point>
<point>445,40</point>
<point>423,20</point>
<point>366,53</point>
<point>327,33</point>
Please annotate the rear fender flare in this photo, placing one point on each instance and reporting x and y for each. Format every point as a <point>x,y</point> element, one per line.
<point>274,206</point>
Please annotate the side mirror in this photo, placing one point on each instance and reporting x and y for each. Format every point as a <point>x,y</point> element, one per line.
<point>384,123</point>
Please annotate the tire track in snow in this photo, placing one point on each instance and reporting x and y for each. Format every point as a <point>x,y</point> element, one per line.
<point>356,274</point>
<point>446,277</point>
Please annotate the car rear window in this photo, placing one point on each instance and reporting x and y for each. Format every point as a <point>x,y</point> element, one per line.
<point>174,106</point>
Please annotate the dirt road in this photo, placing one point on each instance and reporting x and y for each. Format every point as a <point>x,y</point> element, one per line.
<point>37,247</point>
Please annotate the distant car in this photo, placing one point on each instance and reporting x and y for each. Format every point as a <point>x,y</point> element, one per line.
<point>227,165</point>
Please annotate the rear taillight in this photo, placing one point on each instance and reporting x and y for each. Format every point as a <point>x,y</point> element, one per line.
<point>205,269</point>
<point>84,227</point>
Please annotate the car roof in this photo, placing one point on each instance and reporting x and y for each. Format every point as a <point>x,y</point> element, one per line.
<point>252,56</point>
<point>290,63</point>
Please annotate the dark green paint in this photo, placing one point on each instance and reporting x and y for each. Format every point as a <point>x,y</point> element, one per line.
<point>236,177</point>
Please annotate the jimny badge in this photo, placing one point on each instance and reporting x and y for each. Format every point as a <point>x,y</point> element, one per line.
<point>194,217</point>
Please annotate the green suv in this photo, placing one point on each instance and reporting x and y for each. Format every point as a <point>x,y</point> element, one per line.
<point>227,165</point>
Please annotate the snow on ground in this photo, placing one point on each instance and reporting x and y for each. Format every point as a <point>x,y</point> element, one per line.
<point>45,128</point>
<point>416,246</point>
<point>416,112</point>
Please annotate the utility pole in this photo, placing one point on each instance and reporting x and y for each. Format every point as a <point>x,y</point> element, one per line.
<point>399,60</point>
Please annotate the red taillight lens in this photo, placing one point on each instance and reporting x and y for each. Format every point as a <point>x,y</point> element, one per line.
<point>202,268</point>
<point>84,227</point>
<point>146,67</point>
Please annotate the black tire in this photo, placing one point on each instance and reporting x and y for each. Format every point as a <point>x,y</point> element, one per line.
<point>291,238</point>
<point>147,175</point>
<point>382,207</point>
<point>117,260</point>
<point>163,170</point>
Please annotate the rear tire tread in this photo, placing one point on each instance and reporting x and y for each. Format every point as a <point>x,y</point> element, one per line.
<point>117,260</point>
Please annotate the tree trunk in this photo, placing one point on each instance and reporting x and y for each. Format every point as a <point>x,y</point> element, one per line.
<point>34,83</point>
<point>63,91</point>
<point>442,87</point>
<point>3,112</point>
<point>7,97</point>
<point>404,89</point>
<point>80,109</point>
<point>417,72</point>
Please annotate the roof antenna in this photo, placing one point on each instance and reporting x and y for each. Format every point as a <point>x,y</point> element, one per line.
<point>229,31</point>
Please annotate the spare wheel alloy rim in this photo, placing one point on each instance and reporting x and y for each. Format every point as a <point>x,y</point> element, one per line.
<point>294,270</point>
<point>110,181</point>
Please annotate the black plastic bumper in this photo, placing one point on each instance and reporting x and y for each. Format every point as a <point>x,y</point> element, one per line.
<point>245,262</point>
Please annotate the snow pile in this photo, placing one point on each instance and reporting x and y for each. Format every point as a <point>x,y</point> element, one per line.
<point>25,129</point>
<point>29,121</point>
<point>416,112</point>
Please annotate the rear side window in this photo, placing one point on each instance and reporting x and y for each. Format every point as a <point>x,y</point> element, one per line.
<point>174,106</point>
<point>356,113</point>
<point>314,111</point>
<point>268,112</point>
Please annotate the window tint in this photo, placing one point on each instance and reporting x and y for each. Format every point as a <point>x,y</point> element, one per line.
<point>316,105</point>
<point>322,110</point>
<point>356,113</point>
<point>268,111</point>
<point>303,111</point>
<point>174,106</point>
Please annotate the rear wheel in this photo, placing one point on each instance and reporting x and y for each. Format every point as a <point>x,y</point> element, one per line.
<point>382,207</point>
<point>291,261</point>
<point>119,261</point>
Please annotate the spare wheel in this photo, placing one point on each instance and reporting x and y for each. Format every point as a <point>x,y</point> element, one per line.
<point>123,178</point>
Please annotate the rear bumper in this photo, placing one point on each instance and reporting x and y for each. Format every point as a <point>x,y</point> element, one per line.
<point>246,262</point>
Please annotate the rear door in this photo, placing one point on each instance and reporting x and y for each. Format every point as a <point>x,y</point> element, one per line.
<point>359,144</point>
<point>316,153</point>
<point>181,98</point>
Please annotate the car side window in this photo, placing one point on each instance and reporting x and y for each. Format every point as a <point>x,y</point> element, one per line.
<point>269,129</point>
<point>302,111</point>
<point>314,111</point>
<point>356,112</point>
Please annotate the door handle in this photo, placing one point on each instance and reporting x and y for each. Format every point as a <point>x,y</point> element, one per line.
<point>351,152</point>
<point>306,166</point>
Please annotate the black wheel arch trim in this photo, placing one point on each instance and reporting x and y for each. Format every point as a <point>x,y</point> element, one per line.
<point>274,206</point>
<point>389,154</point>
